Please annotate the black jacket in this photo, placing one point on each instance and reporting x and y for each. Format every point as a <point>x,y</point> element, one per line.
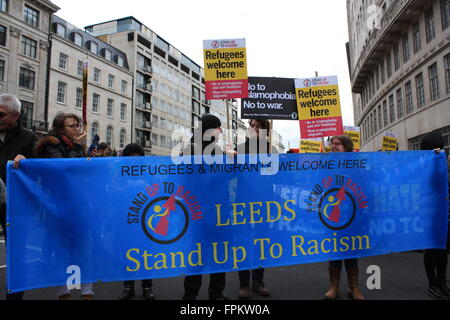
<point>244,148</point>
<point>17,141</point>
<point>54,147</point>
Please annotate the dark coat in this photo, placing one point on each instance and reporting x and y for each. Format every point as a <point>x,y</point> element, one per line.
<point>17,141</point>
<point>244,148</point>
<point>53,147</point>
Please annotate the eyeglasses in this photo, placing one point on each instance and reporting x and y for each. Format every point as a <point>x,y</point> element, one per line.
<point>3,114</point>
<point>74,126</point>
<point>337,144</point>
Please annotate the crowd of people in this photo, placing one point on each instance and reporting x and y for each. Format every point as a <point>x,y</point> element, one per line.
<point>67,139</point>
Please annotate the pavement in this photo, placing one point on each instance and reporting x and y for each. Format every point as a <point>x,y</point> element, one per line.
<point>402,278</point>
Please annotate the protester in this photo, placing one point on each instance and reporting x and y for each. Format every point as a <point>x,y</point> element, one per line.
<point>207,135</point>
<point>343,144</point>
<point>65,140</point>
<point>104,150</point>
<point>435,260</point>
<point>256,143</point>
<point>16,143</point>
<point>135,150</point>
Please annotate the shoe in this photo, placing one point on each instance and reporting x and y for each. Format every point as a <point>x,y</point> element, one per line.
<point>260,290</point>
<point>244,293</point>
<point>87,297</point>
<point>353,291</point>
<point>437,293</point>
<point>148,294</point>
<point>335,276</point>
<point>127,294</point>
<point>65,297</point>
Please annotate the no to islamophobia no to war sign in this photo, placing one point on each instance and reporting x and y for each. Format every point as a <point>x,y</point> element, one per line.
<point>225,69</point>
<point>270,98</point>
<point>319,107</point>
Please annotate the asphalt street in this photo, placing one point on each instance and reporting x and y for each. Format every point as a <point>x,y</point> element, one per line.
<point>402,278</point>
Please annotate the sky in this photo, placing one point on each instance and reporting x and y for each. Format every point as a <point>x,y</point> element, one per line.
<point>284,38</point>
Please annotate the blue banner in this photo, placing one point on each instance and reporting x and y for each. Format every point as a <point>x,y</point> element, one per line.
<point>137,218</point>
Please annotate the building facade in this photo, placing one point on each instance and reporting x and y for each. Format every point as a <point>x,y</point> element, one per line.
<point>399,61</point>
<point>24,56</point>
<point>169,91</point>
<point>110,83</point>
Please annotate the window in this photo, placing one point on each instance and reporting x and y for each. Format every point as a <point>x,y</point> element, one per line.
<point>123,111</point>
<point>94,47</point>
<point>120,61</point>
<point>63,61</point>
<point>78,39</point>
<point>61,96</point>
<point>382,74</point>
<point>4,5</point>
<point>60,30</point>
<point>380,118</point>
<point>429,24</point>
<point>95,103</point>
<point>434,82</point>
<point>420,91</point>
<point>94,130</point>
<point>405,46</point>
<point>447,71</point>
<point>29,47</point>
<point>391,109</point>
<point>2,70</point>
<point>108,54</point>
<point>31,16</point>
<point>409,98</point>
<point>26,78</point>
<point>385,114</point>
<point>399,103</point>
<point>416,37</point>
<point>389,65</point>
<point>109,135</point>
<point>80,68</point>
<point>97,74</point>
<point>111,81</point>
<point>445,13</point>
<point>124,86</point>
<point>2,36</point>
<point>396,56</point>
<point>26,114</point>
<point>79,99</point>
<point>110,108</point>
<point>123,136</point>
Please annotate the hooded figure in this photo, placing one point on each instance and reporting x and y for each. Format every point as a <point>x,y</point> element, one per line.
<point>205,135</point>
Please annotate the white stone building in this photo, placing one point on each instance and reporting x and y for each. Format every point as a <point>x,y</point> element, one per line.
<point>110,83</point>
<point>399,60</point>
<point>24,31</point>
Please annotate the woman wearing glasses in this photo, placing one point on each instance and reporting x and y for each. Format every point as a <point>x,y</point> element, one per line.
<point>66,139</point>
<point>343,144</point>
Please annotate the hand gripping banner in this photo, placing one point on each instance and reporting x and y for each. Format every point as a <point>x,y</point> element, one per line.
<point>134,218</point>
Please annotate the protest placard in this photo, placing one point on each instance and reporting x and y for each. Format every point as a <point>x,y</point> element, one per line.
<point>355,134</point>
<point>225,69</point>
<point>390,141</point>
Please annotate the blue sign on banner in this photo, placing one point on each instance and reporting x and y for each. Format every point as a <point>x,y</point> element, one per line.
<point>146,217</point>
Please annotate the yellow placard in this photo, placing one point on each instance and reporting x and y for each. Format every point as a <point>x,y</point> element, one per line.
<point>310,146</point>
<point>225,64</point>
<point>318,102</point>
<point>389,144</point>
<point>356,138</point>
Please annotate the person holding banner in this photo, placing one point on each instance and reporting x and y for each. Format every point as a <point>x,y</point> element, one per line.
<point>66,139</point>
<point>436,260</point>
<point>205,136</point>
<point>135,150</point>
<point>256,143</point>
<point>343,144</point>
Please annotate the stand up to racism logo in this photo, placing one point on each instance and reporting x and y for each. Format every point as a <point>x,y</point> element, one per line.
<point>164,217</point>
<point>337,201</point>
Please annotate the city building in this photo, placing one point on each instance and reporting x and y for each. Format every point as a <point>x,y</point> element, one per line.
<point>169,90</point>
<point>24,55</point>
<point>399,60</point>
<point>110,83</point>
